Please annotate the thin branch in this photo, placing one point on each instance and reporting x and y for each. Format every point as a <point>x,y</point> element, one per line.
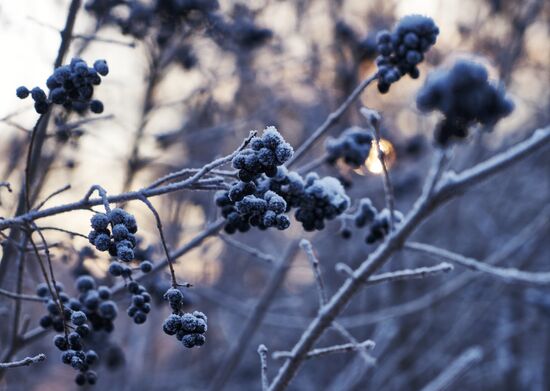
<point>367,358</point>
<point>314,262</point>
<point>305,245</point>
<point>67,231</point>
<point>163,241</point>
<point>331,119</point>
<point>510,275</point>
<point>59,191</point>
<point>207,168</point>
<point>20,296</point>
<point>262,351</point>
<point>86,202</point>
<point>399,275</point>
<point>24,362</point>
<point>247,249</point>
<point>345,348</point>
<point>373,121</point>
<point>239,346</point>
<point>456,369</point>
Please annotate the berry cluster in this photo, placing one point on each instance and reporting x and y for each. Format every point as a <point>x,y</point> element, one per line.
<point>140,306</point>
<point>380,227</point>
<point>288,184</point>
<point>265,154</point>
<point>120,240</point>
<point>189,328</point>
<point>465,97</point>
<point>95,303</point>
<point>54,318</point>
<point>71,86</point>
<point>403,49</point>
<point>322,199</point>
<point>267,190</point>
<point>365,214</point>
<point>243,206</point>
<point>92,307</point>
<point>75,356</point>
<point>353,146</point>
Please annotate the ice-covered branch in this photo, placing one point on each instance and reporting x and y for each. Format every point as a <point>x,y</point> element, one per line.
<point>507,274</point>
<point>24,362</point>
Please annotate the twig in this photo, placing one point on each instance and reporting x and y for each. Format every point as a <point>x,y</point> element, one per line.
<point>262,351</point>
<point>67,231</point>
<point>373,121</point>
<point>163,241</point>
<point>247,249</point>
<point>238,347</point>
<point>345,348</point>
<point>314,262</point>
<point>510,275</point>
<point>305,245</point>
<point>87,202</point>
<point>367,358</point>
<point>20,296</point>
<point>399,275</point>
<point>59,191</point>
<point>453,372</point>
<point>207,168</point>
<point>331,119</point>
<point>24,362</point>
<point>6,185</point>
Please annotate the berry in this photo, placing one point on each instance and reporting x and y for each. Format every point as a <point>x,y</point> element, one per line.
<point>78,318</point>
<point>101,67</point>
<point>115,269</point>
<point>60,342</point>
<point>96,106</point>
<point>99,221</point>
<point>85,283</point>
<point>108,310</point>
<point>22,92</point>
<point>42,289</point>
<point>146,266</point>
<point>102,242</point>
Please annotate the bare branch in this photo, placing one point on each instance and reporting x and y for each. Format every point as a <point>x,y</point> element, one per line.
<point>24,362</point>
<point>345,348</point>
<point>235,353</point>
<point>59,191</point>
<point>331,119</point>
<point>262,351</point>
<point>207,168</point>
<point>247,249</point>
<point>399,275</point>
<point>453,372</point>
<point>510,275</point>
<point>20,296</point>
<point>314,262</point>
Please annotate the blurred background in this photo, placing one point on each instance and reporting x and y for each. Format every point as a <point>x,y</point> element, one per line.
<point>182,95</point>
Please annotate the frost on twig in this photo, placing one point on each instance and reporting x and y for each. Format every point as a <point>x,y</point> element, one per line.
<point>509,275</point>
<point>262,351</point>
<point>399,275</point>
<point>24,362</point>
<point>345,348</point>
